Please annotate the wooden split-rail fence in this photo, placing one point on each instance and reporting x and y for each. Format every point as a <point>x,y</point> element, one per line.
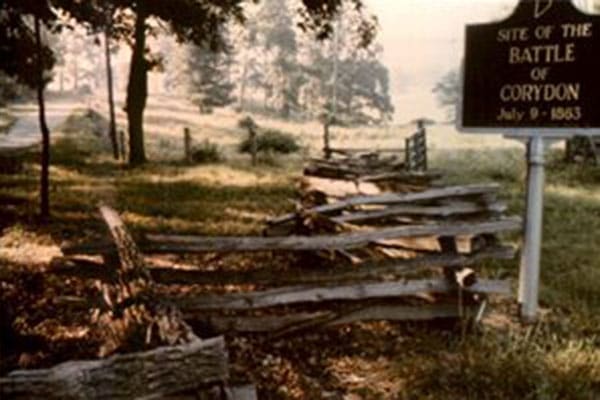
<point>366,247</point>
<point>412,158</point>
<point>387,245</point>
<point>583,149</point>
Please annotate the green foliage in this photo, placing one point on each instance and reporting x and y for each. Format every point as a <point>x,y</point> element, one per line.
<point>11,90</point>
<point>282,76</point>
<point>18,52</point>
<point>210,78</point>
<point>347,81</point>
<point>206,153</point>
<point>272,141</point>
<point>447,91</point>
<point>85,122</point>
<point>295,78</point>
<point>247,123</point>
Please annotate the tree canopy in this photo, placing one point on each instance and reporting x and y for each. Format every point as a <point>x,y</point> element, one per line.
<point>201,22</point>
<point>17,39</point>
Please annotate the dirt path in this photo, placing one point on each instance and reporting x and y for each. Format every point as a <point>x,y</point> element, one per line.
<point>25,133</point>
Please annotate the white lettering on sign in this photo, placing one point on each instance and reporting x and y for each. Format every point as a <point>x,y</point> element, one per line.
<point>530,93</point>
<point>549,54</point>
<point>543,48</point>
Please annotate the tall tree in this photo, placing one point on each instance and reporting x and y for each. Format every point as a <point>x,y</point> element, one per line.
<point>112,130</point>
<point>447,91</point>
<point>26,57</point>
<point>348,82</point>
<point>210,78</point>
<point>246,43</point>
<point>279,40</point>
<point>45,161</point>
<point>198,21</point>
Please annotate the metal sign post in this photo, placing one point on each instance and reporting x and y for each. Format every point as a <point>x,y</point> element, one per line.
<point>529,276</point>
<point>533,76</point>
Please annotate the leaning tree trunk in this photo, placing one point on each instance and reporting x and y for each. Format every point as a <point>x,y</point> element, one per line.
<point>137,89</point>
<point>109,78</point>
<point>45,158</point>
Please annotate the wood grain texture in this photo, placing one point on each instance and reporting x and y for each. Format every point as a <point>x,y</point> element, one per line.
<point>148,375</point>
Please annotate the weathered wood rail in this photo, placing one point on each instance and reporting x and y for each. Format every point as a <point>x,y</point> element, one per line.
<point>86,269</point>
<point>358,161</point>
<point>479,218</point>
<point>396,198</point>
<point>178,244</point>
<point>151,374</point>
<point>131,317</point>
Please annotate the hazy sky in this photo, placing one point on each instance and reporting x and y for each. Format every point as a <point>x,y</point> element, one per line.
<point>423,39</point>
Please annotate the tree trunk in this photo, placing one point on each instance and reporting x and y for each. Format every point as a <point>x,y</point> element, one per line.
<point>242,105</point>
<point>137,89</point>
<point>45,158</point>
<point>75,75</point>
<point>111,100</point>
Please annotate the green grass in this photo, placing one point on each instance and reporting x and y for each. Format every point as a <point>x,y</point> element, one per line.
<point>558,358</point>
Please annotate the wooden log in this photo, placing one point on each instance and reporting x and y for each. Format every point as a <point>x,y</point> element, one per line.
<point>177,244</point>
<point>411,176</point>
<point>331,172</point>
<point>262,324</point>
<point>152,374</point>
<point>86,269</point>
<point>302,295</point>
<point>136,319</point>
<point>465,277</point>
<point>421,211</point>
<point>337,188</point>
<point>396,198</point>
<point>365,150</point>
<point>173,244</point>
<point>239,392</point>
<point>298,321</point>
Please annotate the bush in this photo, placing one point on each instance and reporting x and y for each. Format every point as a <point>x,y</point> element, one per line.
<point>247,123</point>
<point>86,122</point>
<point>272,141</point>
<point>206,153</point>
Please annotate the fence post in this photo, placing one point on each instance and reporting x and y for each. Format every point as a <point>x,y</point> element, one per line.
<point>326,138</point>
<point>253,145</point>
<point>407,154</point>
<point>187,144</point>
<point>423,142</point>
<point>122,145</point>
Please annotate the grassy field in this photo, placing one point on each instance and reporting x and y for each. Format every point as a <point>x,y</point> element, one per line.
<point>558,358</point>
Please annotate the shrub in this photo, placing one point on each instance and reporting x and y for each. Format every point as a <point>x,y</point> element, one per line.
<point>272,141</point>
<point>85,122</point>
<point>247,123</point>
<point>206,153</point>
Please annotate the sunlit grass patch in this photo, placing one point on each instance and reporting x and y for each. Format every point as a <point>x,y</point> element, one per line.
<point>503,366</point>
<point>197,202</point>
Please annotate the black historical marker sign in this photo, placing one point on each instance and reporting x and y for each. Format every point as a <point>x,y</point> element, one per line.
<point>540,68</point>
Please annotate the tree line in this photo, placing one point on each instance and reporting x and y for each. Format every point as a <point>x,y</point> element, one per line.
<point>273,66</point>
<point>28,59</point>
